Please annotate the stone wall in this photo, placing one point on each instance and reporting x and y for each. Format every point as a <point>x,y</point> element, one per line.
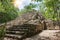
<point>52,25</point>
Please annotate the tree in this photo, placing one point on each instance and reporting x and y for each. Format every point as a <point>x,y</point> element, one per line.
<point>7,11</point>
<point>52,9</point>
<point>30,7</point>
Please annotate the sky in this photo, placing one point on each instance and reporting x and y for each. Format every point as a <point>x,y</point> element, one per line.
<point>21,3</point>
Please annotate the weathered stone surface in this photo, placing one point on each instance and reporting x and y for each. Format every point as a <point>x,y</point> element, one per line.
<point>29,18</point>
<point>52,25</point>
<point>37,19</point>
<point>44,35</point>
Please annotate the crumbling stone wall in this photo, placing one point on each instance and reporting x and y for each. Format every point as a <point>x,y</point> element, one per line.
<point>52,25</point>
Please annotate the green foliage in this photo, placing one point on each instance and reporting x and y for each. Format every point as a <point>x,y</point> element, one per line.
<point>42,8</point>
<point>2,32</point>
<point>7,11</point>
<point>52,8</point>
<point>1,7</point>
<point>38,0</point>
<point>30,7</point>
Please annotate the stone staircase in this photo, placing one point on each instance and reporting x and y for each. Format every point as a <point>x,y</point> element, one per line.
<point>20,32</point>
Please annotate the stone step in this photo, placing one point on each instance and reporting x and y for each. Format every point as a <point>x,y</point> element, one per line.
<point>18,30</point>
<point>15,32</point>
<point>19,27</point>
<point>13,36</point>
<point>25,26</point>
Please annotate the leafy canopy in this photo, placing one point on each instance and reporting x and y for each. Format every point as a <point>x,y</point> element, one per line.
<point>7,11</point>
